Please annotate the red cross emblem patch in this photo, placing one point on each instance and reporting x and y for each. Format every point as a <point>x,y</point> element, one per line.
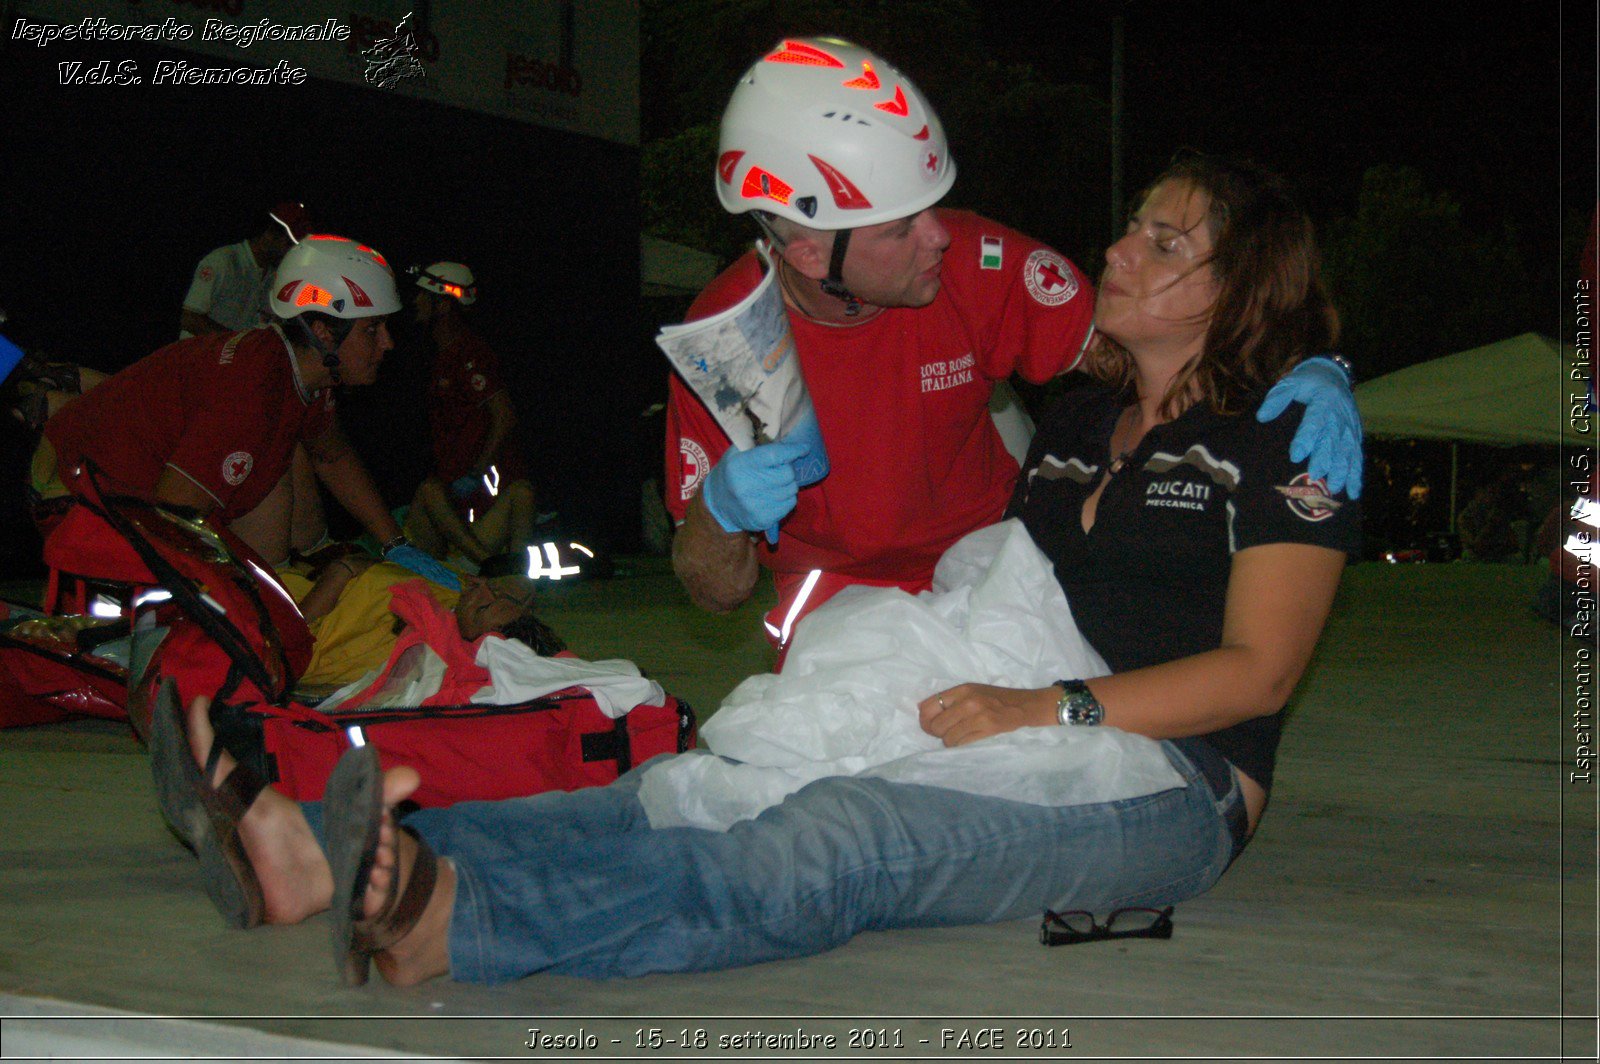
<point>237,466</point>
<point>1049,278</point>
<point>692,467</point>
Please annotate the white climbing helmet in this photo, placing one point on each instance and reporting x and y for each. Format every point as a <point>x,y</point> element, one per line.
<point>450,279</point>
<point>334,276</point>
<point>829,135</point>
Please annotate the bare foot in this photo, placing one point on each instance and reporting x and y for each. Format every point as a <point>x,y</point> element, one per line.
<point>425,952</point>
<point>295,879</point>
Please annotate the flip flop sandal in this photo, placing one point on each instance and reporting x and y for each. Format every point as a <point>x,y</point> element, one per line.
<point>206,817</point>
<point>353,804</point>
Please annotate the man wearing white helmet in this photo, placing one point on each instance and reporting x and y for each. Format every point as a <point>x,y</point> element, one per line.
<point>478,500</point>
<point>904,317</point>
<point>212,422</point>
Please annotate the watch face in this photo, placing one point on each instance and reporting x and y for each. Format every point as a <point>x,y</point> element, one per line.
<point>1078,705</point>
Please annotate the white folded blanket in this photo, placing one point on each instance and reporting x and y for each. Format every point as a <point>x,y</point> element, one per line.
<point>845,703</point>
<point>518,675</point>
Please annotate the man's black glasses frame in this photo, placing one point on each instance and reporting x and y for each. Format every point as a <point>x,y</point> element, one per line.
<point>1078,925</point>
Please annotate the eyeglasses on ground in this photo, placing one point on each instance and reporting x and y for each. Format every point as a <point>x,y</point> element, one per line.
<point>1079,925</point>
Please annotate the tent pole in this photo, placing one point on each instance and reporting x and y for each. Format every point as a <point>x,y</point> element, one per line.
<point>1453,448</point>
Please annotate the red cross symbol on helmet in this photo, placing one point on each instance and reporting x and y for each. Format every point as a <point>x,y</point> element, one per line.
<point>931,162</point>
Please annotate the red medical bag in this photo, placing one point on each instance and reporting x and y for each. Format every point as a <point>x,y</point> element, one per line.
<point>230,632</point>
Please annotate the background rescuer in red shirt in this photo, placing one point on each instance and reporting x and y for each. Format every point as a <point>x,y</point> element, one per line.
<point>903,317</point>
<point>212,422</point>
<point>477,500</point>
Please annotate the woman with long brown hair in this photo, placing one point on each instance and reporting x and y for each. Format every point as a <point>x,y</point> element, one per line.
<point>1199,562</point>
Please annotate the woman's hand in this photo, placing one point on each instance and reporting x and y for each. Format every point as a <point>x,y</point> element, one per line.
<point>972,711</point>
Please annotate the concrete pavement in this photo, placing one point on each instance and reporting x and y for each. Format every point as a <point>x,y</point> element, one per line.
<point>1423,885</point>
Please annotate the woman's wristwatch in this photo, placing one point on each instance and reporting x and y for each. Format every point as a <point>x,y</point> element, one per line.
<point>1078,705</point>
<point>398,541</point>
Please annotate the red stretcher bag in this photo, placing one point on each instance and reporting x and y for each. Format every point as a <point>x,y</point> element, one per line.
<point>230,632</point>
<point>48,674</point>
<point>476,752</point>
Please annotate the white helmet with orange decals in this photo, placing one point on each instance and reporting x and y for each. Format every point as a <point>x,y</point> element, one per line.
<point>334,276</point>
<point>829,135</point>
<point>450,279</point>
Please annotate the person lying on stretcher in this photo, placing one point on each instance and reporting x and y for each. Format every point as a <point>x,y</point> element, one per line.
<point>452,673</point>
<point>483,691</point>
<point>347,608</point>
<point>488,646</point>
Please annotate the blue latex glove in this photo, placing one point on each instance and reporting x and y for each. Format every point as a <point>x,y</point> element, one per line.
<point>424,565</point>
<point>751,491</point>
<point>463,486</point>
<point>813,465</point>
<point>1330,433</point>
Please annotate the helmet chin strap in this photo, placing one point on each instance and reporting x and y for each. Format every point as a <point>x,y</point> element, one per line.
<point>330,355</point>
<point>833,284</point>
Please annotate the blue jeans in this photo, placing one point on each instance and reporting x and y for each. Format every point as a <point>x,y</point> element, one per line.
<point>580,884</point>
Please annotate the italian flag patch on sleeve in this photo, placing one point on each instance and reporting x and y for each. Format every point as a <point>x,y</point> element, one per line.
<point>992,253</point>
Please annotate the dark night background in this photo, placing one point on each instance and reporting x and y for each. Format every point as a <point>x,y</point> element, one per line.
<point>113,194</point>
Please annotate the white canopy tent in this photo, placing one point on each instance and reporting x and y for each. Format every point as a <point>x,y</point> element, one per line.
<point>1515,391</point>
<point>1522,390</point>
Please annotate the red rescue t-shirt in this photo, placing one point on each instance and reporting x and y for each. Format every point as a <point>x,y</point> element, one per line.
<point>903,402</point>
<point>466,375</point>
<point>225,410</point>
